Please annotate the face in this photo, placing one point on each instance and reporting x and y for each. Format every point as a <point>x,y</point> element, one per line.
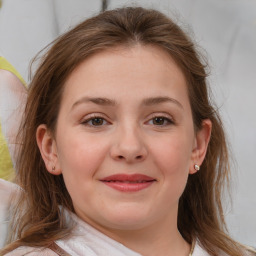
<point>125,141</point>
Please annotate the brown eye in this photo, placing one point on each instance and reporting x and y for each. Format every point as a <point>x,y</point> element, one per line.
<point>97,121</point>
<point>159,120</point>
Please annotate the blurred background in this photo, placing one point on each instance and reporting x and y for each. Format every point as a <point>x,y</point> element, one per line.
<point>226,33</point>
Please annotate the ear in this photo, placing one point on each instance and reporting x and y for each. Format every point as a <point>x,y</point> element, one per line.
<point>202,139</point>
<point>48,149</point>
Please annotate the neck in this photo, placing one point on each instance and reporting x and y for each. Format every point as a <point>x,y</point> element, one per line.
<point>162,238</point>
<point>151,241</point>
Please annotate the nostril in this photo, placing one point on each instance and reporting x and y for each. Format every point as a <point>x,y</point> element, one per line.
<point>120,157</point>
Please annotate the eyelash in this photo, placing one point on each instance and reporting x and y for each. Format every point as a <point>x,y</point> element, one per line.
<point>167,121</point>
<point>94,117</point>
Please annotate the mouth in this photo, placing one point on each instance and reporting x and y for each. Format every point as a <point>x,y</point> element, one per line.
<point>128,183</point>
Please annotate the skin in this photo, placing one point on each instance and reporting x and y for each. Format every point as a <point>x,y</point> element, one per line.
<point>133,135</point>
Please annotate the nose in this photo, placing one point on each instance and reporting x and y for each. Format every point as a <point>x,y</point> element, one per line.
<point>129,146</point>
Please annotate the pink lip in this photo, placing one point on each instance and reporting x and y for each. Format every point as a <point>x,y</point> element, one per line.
<point>128,183</point>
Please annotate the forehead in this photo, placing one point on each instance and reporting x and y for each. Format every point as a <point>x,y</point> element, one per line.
<point>135,71</point>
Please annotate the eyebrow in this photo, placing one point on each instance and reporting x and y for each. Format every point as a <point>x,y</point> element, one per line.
<point>159,100</point>
<point>98,101</point>
<point>109,102</point>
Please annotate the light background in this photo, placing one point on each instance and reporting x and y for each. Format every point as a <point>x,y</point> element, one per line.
<point>226,29</point>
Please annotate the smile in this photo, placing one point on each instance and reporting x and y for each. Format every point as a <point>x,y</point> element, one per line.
<point>128,183</point>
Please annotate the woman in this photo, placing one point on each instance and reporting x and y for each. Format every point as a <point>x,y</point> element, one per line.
<point>130,157</point>
<point>12,101</point>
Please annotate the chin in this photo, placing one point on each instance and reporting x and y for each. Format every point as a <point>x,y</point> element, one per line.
<point>128,220</point>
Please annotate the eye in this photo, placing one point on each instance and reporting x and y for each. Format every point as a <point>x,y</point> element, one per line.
<point>95,121</point>
<point>160,121</point>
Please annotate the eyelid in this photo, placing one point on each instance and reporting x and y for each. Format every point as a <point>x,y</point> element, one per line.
<point>92,116</point>
<point>161,114</point>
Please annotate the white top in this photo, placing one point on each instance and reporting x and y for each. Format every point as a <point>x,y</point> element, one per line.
<point>6,190</point>
<point>83,241</point>
<point>87,241</point>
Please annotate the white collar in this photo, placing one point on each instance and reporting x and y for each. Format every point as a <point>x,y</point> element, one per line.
<point>86,240</point>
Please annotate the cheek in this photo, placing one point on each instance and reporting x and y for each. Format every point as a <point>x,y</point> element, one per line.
<point>80,158</point>
<point>172,157</point>
<point>81,155</point>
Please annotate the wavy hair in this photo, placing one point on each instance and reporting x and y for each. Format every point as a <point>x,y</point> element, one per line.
<point>200,212</point>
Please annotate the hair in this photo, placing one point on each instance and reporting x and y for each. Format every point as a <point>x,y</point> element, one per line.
<point>200,212</point>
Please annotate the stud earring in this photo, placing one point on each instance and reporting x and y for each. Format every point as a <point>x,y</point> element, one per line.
<point>196,167</point>
<point>53,168</point>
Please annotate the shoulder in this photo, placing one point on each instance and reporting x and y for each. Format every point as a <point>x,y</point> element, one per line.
<point>31,251</point>
<point>7,190</point>
<point>250,252</point>
<point>200,251</point>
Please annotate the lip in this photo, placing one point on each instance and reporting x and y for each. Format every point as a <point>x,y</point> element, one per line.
<point>128,183</point>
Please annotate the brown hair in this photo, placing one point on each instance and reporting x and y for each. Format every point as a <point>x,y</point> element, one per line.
<point>200,212</point>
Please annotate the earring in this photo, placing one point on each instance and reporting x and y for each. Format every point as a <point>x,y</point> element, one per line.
<point>53,168</point>
<point>196,167</point>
